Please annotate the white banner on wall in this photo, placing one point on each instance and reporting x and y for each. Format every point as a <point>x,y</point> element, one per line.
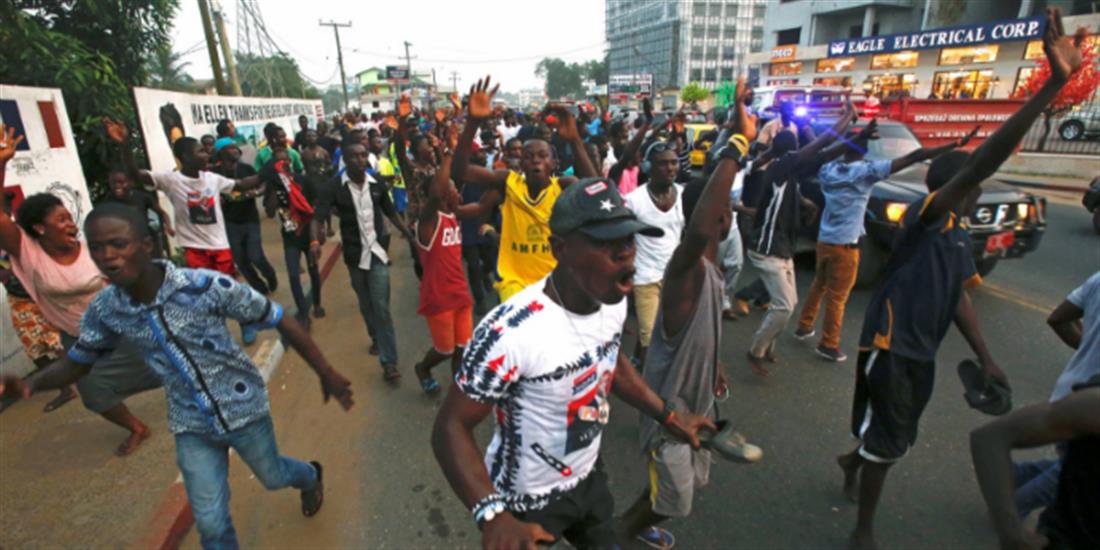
<point>165,116</point>
<point>46,161</point>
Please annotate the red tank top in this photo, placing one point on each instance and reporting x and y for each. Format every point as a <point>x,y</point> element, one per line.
<point>444,286</point>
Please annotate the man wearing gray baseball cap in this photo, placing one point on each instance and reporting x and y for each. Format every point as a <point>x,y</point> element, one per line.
<point>547,360</point>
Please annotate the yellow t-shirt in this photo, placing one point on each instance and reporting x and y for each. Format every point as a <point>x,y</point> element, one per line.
<point>524,235</point>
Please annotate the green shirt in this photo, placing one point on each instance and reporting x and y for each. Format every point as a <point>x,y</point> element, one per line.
<point>264,155</point>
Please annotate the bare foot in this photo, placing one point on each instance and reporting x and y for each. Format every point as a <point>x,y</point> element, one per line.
<point>131,444</point>
<point>756,365</point>
<point>861,541</point>
<point>772,357</point>
<point>851,476</point>
<point>66,395</point>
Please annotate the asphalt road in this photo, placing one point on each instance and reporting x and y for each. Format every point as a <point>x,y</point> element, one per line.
<point>384,489</point>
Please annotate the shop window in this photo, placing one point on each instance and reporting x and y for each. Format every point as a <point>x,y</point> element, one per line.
<point>727,74</point>
<point>1021,76</point>
<point>884,85</point>
<point>785,69</point>
<point>836,65</point>
<point>696,75</point>
<point>900,60</point>
<point>842,81</point>
<point>965,55</point>
<point>1034,50</point>
<point>962,84</point>
<point>783,82</point>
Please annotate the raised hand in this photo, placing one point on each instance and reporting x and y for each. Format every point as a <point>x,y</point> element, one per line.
<point>404,106</point>
<point>8,142</point>
<point>117,131</point>
<point>1064,54</point>
<point>479,104</point>
<point>647,110</point>
<point>744,122</point>
<point>440,115</point>
<point>566,122</point>
<point>966,139</point>
<point>456,102</point>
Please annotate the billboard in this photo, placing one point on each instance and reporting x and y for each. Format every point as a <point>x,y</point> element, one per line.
<point>45,162</point>
<point>632,84</point>
<point>165,116</point>
<point>1031,28</point>
<point>397,72</point>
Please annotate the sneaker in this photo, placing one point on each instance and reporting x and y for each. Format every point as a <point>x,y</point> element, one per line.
<point>730,444</point>
<point>803,334</point>
<point>248,335</point>
<point>315,497</point>
<point>834,355</point>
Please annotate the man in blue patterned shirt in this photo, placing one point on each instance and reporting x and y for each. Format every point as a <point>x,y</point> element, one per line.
<point>216,396</point>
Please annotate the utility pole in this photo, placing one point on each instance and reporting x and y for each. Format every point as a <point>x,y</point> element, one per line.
<point>408,67</point>
<point>212,47</point>
<point>454,80</point>
<point>339,56</point>
<point>227,53</point>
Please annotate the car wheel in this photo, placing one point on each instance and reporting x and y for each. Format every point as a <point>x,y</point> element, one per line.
<point>1096,220</point>
<point>985,267</point>
<point>1071,130</point>
<point>872,259</point>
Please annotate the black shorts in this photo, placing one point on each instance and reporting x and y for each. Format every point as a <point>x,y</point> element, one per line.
<point>891,393</point>
<point>584,515</point>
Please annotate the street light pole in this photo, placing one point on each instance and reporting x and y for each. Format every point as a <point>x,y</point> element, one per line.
<point>339,56</point>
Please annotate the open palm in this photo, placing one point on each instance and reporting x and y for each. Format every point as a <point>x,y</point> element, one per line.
<point>8,142</point>
<point>1063,52</point>
<point>479,106</point>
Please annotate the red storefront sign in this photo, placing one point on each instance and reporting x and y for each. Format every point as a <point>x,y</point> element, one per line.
<point>938,121</point>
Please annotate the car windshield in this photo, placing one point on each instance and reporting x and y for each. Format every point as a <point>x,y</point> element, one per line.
<point>894,140</point>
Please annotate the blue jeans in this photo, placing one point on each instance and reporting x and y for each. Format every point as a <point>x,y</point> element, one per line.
<point>1036,484</point>
<point>204,461</point>
<point>372,287</point>
<point>292,253</point>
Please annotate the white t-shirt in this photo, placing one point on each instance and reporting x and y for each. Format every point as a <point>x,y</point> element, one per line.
<point>654,252</point>
<point>196,203</point>
<point>738,189</point>
<point>548,374</point>
<point>1085,362</point>
<point>508,132</point>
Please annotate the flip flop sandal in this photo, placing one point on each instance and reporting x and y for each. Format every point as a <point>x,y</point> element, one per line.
<point>731,445</point>
<point>315,497</point>
<point>986,395</point>
<point>655,537</point>
<point>427,383</point>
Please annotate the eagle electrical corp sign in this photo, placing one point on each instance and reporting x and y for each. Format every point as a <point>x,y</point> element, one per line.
<point>985,33</point>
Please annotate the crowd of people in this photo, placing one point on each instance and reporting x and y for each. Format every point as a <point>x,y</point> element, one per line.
<point>546,223</point>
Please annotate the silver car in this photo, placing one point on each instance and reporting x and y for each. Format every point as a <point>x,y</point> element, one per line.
<point>1083,121</point>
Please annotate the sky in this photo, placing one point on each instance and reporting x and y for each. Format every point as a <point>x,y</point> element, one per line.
<point>504,38</point>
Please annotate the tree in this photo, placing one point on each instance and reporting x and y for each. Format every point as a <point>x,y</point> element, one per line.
<point>272,76</point>
<point>167,73</point>
<point>333,99</point>
<point>563,80</point>
<point>94,52</point>
<point>596,70</point>
<point>693,93</point>
<point>1080,88</point>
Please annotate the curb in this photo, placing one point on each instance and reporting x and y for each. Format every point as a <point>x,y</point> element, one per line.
<point>172,519</point>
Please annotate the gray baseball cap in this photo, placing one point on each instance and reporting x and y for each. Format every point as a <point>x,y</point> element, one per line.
<point>594,207</point>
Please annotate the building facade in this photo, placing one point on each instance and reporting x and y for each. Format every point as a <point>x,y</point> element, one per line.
<point>658,44</point>
<point>924,48</point>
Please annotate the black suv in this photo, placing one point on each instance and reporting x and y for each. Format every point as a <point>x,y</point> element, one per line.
<point>1007,223</point>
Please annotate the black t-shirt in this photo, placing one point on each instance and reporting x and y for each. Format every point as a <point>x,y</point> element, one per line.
<point>300,140</point>
<point>1073,521</point>
<point>913,307</point>
<point>239,207</point>
<point>778,207</point>
<point>143,201</point>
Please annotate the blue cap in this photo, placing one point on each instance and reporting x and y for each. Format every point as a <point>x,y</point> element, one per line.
<point>223,142</point>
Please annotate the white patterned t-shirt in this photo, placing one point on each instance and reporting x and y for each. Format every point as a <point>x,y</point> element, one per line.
<point>548,374</point>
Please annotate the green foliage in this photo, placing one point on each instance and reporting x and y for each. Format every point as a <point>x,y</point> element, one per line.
<point>693,93</point>
<point>167,73</point>
<point>566,80</point>
<point>333,99</point>
<point>94,51</point>
<point>274,76</point>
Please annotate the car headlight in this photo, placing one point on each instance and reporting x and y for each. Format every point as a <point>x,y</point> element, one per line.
<point>1022,211</point>
<point>895,211</point>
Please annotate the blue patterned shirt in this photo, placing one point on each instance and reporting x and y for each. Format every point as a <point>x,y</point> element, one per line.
<point>212,386</point>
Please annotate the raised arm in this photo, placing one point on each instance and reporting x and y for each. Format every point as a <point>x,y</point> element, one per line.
<point>925,153</point>
<point>11,239</point>
<point>809,153</point>
<point>991,447</point>
<point>478,109</point>
<point>120,134</point>
<point>712,204</point>
<point>568,130</point>
<point>1065,58</point>
<point>630,152</point>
